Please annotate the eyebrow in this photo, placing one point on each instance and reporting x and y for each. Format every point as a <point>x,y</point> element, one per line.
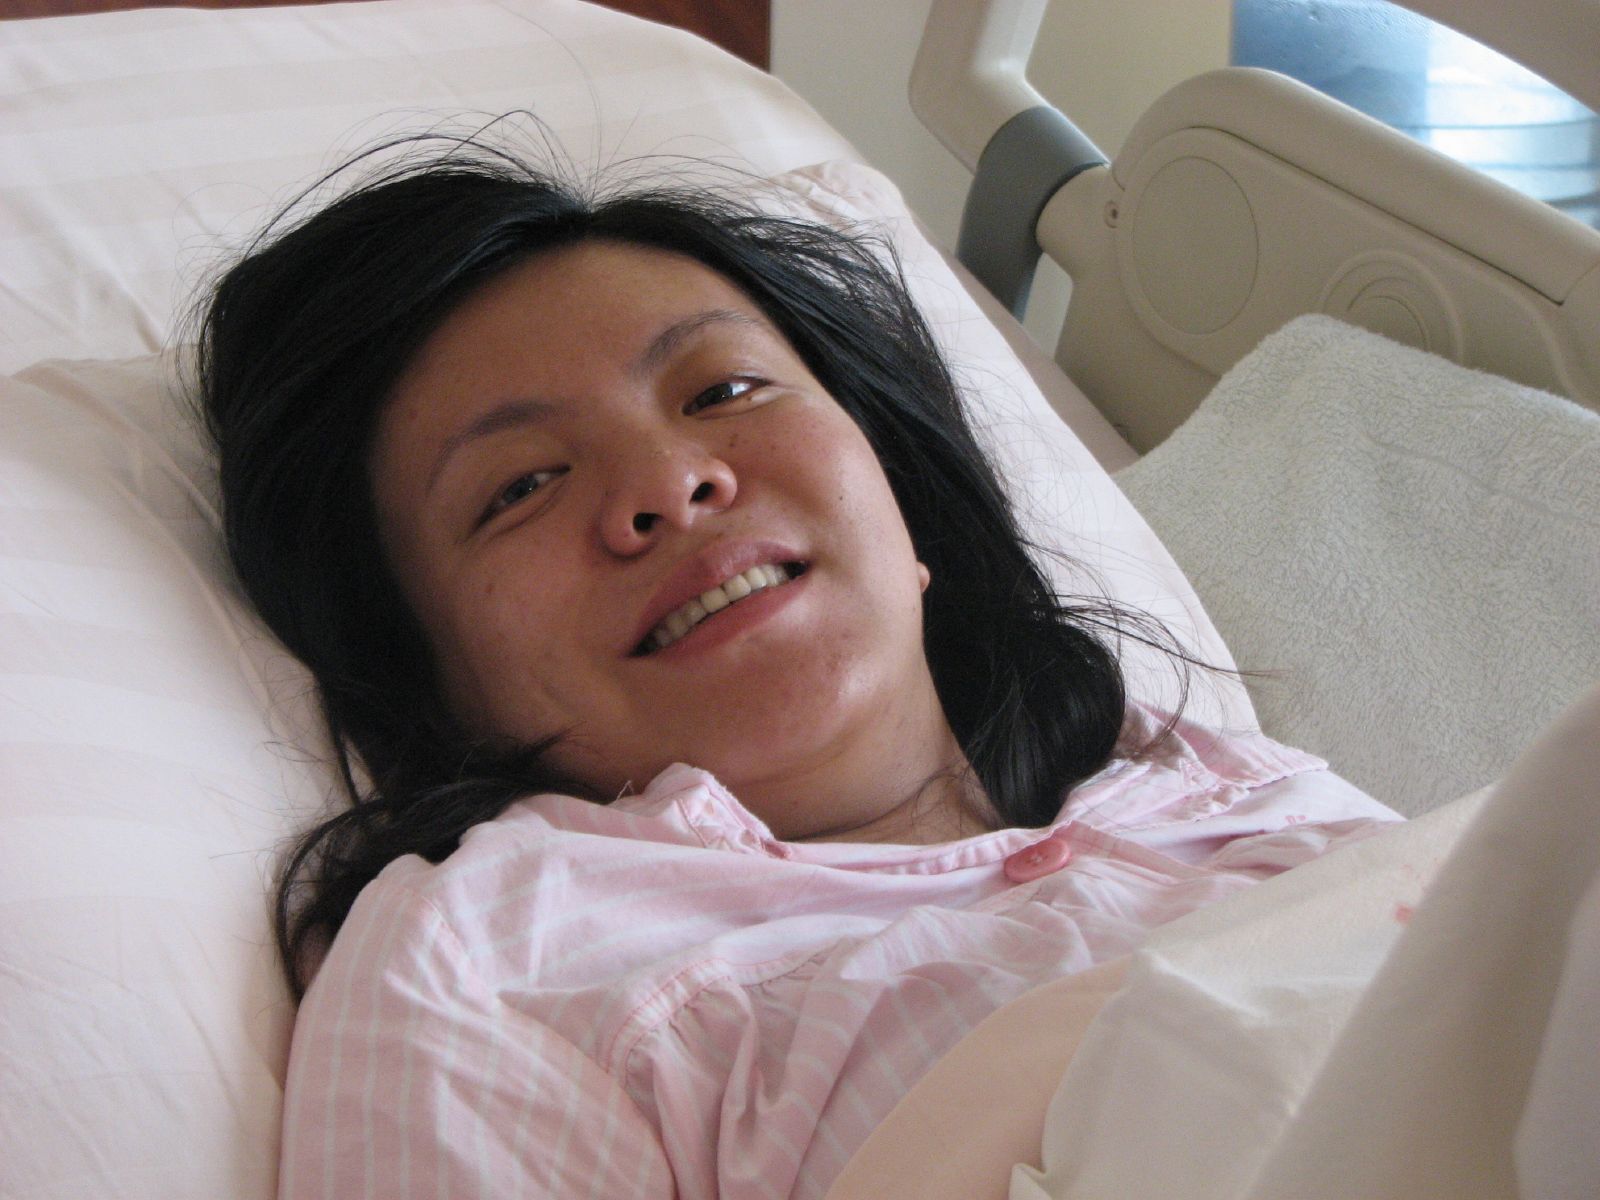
<point>514,414</point>
<point>666,343</point>
<point>510,415</point>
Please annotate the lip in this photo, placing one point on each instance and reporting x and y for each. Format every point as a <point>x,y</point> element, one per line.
<point>702,571</point>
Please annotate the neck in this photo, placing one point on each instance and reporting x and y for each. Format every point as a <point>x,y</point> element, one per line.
<point>945,808</point>
<point>904,780</point>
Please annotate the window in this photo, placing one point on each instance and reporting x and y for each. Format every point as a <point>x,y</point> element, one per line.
<point>1440,87</point>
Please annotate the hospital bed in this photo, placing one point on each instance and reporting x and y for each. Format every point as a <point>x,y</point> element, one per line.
<point>158,746</point>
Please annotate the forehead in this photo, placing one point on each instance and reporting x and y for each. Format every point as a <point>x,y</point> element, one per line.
<point>580,302</point>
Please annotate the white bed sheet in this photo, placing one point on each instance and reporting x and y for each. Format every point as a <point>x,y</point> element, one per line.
<point>1275,1047</point>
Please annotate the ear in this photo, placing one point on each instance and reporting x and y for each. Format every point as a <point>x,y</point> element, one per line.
<point>924,575</point>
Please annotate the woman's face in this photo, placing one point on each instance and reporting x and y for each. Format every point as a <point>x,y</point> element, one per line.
<point>577,478</point>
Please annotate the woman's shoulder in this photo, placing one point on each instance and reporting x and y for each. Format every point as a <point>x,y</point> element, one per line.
<point>682,805</point>
<point>1171,771</point>
<point>551,853</point>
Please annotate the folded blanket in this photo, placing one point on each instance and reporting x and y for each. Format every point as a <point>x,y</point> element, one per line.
<point>1410,548</point>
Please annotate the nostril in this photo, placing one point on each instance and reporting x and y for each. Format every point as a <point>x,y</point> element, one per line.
<point>643,522</point>
<point>703,492</point>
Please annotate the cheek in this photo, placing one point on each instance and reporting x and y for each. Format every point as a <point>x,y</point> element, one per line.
<point>875,548</point>
<point>867,502</point>
<point>499,643</point>
<point>838,466</point>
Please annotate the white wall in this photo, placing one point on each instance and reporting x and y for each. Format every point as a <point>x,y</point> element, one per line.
<point>851,59</point>
<point>1101,61</point>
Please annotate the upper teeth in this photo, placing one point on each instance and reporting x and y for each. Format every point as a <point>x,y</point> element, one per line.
<point>702,606</point>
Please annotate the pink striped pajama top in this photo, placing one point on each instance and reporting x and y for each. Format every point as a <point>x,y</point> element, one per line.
<point>655,998</point>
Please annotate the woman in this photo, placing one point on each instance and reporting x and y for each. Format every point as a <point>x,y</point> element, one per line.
<point>697,698</point>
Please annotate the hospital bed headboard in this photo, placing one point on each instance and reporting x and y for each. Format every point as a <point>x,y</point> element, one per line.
<point>1242,199</point>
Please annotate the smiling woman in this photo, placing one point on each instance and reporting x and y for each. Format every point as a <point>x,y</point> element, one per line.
<point>563,422</point>
<point>583,476</point>
<point>645,562</point>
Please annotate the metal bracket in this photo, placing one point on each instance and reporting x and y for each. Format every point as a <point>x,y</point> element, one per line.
<point>1026,162</point>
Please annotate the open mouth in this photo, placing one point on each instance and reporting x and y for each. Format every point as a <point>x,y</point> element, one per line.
<point>729,592</point>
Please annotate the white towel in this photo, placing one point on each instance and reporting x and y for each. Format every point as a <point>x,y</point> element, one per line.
<point>1413,548</point>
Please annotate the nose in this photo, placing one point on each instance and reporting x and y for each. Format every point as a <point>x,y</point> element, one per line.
<point>662,485</point>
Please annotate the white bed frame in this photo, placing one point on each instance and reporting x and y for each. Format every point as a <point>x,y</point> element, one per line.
<point>1243,199</point>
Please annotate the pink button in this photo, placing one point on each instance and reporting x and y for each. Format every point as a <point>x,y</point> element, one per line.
<point>1038,860</point>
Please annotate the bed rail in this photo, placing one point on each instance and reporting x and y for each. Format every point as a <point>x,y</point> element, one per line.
<point>1243,199</point>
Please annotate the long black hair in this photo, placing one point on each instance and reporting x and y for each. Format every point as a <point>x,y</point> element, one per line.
<point>301,344</point>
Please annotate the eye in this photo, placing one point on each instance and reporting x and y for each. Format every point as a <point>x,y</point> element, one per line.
<point>722,393</point>
<point>518,490</point>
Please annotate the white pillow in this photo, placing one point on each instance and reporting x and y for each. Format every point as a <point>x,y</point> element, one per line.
<point>131,142</point>
<point>143,1028</point>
